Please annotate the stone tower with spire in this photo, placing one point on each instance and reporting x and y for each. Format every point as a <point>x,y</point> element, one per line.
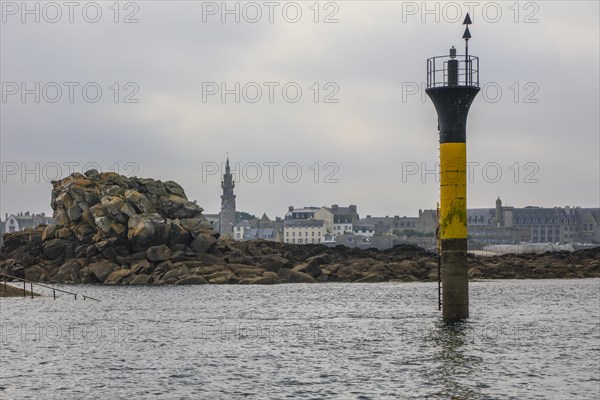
<point>499,216</point>
<point>227,202</point>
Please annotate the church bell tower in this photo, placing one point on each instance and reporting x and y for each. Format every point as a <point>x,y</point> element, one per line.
<point>227,202</point>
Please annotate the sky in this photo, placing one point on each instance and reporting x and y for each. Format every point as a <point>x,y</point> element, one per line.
<point>316,103</point>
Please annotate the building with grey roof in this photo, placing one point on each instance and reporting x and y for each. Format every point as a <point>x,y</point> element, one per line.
<point>304,231</point>
<point>260,233</point>
<point>509,225</point>
<point>344,218</point>
<point>301,213</point>
<point>22,220</point>
<point>259,228</point>
<point>388,224</point>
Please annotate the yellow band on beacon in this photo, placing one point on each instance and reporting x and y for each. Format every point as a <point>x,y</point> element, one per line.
<point>453,187</point>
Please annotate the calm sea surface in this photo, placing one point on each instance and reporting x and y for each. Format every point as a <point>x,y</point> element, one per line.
<point>525,340</point>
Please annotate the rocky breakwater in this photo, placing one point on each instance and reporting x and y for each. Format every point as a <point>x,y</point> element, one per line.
<point>106,223</point>
<point>115,230</point>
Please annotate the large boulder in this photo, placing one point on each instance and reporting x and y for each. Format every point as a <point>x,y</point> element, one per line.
<point>273,263</point>
<point>56,248</point>
<point>196,225</point>
<point>34,273</point>
<point>68,272</point>
<point>192,280</point>
<point>292,276</point>
<point>116,276</point>
<point>158,253</point>
<point>174,206</point>
<point>203,243</point>
<point>269,278</point>
<point>178,235</point>
<point>102,269</point>
<point>146,230</point>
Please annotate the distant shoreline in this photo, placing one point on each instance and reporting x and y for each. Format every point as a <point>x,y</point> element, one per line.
<point>119,230</point>
<point>344,265</point>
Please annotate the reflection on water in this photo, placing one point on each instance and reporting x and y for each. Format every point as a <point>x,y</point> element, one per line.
<point>453,366</point>
<point>525,339</point>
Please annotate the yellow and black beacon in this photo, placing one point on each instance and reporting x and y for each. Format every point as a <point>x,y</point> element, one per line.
<point>452,84</point>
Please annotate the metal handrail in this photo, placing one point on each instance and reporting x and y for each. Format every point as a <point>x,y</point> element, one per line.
<point>468,68</point>
<point>39,284</point>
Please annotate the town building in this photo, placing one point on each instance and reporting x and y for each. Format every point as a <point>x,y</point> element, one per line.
<point>22,220</point>
<point>260,228</point>
<point>343,219</point>
<point>388,224</point>
<point>304,231</point>
<point>363,228</point>
<point>240,228</point>
<point>427,221</point>
<point>509,225</point>
<point>336,220</point>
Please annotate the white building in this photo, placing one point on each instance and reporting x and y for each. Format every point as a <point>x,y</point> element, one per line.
<point>20,221</point>
<point>337,220</point>
<point>304,231</point>
<point>363,229</point>
<point>239,229</point>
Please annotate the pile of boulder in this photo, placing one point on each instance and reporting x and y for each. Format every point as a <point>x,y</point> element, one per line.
<point>113,229</point>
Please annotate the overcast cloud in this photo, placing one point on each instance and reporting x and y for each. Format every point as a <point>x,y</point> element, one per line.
<point>545,123</point>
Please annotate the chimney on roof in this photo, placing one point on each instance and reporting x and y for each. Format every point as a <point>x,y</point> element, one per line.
<point>334,207</point>
<point>291,208</point>
<point>369,216</point>
<point>352,207</point>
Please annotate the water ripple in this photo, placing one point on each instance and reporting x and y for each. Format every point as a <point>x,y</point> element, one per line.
<point>525,339</point>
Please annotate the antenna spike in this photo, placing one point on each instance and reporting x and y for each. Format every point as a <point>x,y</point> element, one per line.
<point>467,20</point>
<point>467,34</point>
